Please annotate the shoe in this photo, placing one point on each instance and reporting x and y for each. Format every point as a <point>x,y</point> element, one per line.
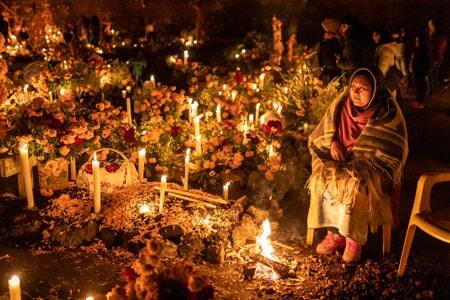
<point>352,252</point>
<point>331,243</point>
<point>417,105</point>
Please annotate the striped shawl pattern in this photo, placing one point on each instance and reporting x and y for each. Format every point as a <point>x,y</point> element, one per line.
<point>376,167</point>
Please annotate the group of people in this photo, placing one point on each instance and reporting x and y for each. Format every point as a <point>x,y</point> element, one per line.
<point>347,45</point>
<point>360,146</point>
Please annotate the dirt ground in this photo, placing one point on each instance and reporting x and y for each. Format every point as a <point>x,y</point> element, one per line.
<point>74,274</point>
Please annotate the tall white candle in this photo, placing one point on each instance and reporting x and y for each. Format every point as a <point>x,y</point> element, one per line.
<point>73,168</point>
<point>124,94</point>
<point>261,80</point>
<point>233,94</point>
<point>141,165</point>
<point>198,144</point>
<point>152,79</point>
<point>257,113</point>
<point>162,193</point>
<point>97,187</point>
<point>251,121</point>
<point>14,288</point>
<point>130,118</point>
<point>26,171</point>
<point>271,152</point>
<point>197,124</point>
<point>25,89</point>
<point>194,108</point>
<point>186,57</point>
<point>186,169</point>
<point>50,94</point>
<point>218,114</point>
<point>226,187</point>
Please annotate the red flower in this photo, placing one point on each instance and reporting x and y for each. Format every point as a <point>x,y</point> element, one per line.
<point>128,135</point>
<point>238,77</point>
<point>273,126</point>
<point>111,168</point>
<point>228,125</point>
<point>88,168</point>
<point>79,141</point>
<point>129,274</point>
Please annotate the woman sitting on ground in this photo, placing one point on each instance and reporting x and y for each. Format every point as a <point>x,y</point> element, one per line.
<point>358,152</point>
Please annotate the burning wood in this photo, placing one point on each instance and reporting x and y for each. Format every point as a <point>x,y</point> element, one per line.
<point>281,269</point>
<point>266,255</point>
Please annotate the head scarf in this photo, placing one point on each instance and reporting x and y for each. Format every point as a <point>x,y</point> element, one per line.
<point>353,119</point>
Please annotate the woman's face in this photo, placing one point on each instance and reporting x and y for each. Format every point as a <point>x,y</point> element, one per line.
<point>360,91</point>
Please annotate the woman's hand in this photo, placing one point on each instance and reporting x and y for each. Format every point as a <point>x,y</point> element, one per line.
<point>337,151</point>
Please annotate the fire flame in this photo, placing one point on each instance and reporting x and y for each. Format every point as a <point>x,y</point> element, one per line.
<point>264,247</point>
<point>263,241</point>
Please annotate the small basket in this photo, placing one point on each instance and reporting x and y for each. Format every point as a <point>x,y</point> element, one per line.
<point>110,181</point>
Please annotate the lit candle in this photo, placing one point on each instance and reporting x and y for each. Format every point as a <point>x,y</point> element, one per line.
<point>186,169</point>
<point>152,79</point>
<point>271,152</point>
<point>245,131</point>
<point>89,298</point>
<point>194,110</point>
<point>197,124</point>
<point>141,166</point>
<point>162,193</point>
<point>233,94</point>
<point>224,87</point>
<point>198,144</point>
<point>257,113</point>
<point>25,89</point>
<point>97,191</point>
<point>26,172</point>
<point>218,114</point>
<point>261,80</point>
<point>124,94</point>
<point>50,94</point>
<point>130,119</point>
<point>73,168</point>
<point>251,121</point>
<point>14,288</point>
<point>128,89</point>
<point>305,127</point>
<point>226,187</point>
<point>186,56</point>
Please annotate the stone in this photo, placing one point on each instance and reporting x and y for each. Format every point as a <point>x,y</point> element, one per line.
<point>259,215</point>
<point>246,231</point>
<point>215,253</point>
<point>191,246</point>
<point>108,236</point>
<point>68,237</point>
<point>172,233</point>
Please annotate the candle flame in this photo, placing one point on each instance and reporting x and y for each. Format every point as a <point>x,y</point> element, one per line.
<point>95,157</point>
<point>24,147</point>
<point>14,280</point>
<point>142,152</point>
<point>226,185</point>
<point>90,298</point>
<point>164,178</point>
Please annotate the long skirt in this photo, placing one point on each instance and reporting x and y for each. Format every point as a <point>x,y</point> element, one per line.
<point>352,222</point>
